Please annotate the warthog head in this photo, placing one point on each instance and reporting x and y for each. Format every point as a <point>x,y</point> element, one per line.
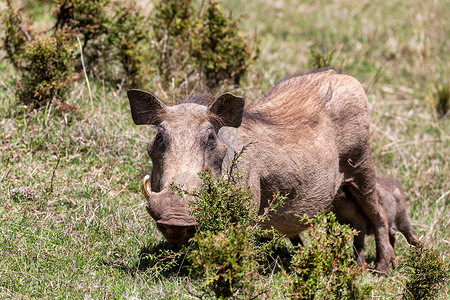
<point>185,143</point>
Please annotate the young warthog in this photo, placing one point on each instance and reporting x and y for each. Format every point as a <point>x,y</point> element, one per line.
<point>309,136</point>
<point>392,199</point>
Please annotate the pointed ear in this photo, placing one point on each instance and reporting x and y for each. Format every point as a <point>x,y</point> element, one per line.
<point>229,108</point>
<point>146,108</point>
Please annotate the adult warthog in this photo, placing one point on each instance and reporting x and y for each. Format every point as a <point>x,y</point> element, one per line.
<point>309,136</point>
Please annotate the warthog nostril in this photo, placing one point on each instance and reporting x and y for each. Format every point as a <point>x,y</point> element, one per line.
<point>191,231</point>
<point>176,234</point>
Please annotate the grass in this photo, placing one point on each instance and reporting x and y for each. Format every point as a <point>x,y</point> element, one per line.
<point>81,232</point>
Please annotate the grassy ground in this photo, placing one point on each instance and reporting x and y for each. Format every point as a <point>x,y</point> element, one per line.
<point>72,220</point>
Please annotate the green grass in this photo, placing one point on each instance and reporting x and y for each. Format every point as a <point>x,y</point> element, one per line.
<point>81,232</point>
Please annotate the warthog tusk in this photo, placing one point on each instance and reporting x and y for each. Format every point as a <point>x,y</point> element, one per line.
<point>145,187</point>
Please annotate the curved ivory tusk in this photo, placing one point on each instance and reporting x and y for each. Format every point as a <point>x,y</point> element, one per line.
<point>145,187</point>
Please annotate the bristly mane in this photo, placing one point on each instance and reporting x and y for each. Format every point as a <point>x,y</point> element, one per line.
<point>202,99</point>
<point>278,107</point>
<point>305,107</point>
<point>321,70</point>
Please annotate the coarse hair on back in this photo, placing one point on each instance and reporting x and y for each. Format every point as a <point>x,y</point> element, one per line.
<point>293,101</point>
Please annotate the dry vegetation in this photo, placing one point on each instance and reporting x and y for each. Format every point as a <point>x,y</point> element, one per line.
<point>72,219</point>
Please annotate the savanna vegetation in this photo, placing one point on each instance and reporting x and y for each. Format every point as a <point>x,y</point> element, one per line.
<point>73,222</point>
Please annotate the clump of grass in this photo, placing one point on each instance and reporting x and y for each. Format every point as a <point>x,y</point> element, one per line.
<point>425,273</point>
<point>325,268</point>
<point>320,60</point>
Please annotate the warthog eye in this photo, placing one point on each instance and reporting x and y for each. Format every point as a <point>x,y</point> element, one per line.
<point>211,142</point>
<point>211,137</point>
<point>158,143</point>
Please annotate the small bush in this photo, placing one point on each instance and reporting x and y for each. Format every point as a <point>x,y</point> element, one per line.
<point>16,36</point>
<point>113,39</point>
<point>178,43</point>
<point>226,261</point>
<point>425,273</point>
<point>82,17</point>
<point>190,45</point>
<point>48,73</point>
<point>221,202</point>
<point>129,37</point>
<point>173,25</point>
<point>45,62</point>
<point>325,268</point>
<point>225,251</point>
<point>221,51</point>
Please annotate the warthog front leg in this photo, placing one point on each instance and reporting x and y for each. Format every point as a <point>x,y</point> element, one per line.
<point>362,186</point>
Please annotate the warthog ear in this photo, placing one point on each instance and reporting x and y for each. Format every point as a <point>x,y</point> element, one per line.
<point>146,108</point>
<point>229,108</point>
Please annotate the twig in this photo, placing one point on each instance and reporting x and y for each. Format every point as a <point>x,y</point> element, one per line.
<point>53,174</point>
<point>85,74</point>
<point>25,32</point>
<point>5,86</point>
<point>233,165</point>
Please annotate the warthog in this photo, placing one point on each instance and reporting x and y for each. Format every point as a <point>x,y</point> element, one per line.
<point>392,199</point>
<point>309,136</point>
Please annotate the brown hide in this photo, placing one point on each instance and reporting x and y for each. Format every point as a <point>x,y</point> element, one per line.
<point>308,136</point>
<point>393,201</point>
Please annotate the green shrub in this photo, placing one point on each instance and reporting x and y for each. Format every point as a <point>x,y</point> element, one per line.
<point>190,45</point>
<point>325,268</point>
<point>225,252</point>
<point>226,262</point>
<point>15,36</point>
<point>179,45</point>
<point>221,202</point>
<point>45,62</point>
<point>128,36</point>
<point>173,24</point>
<point>221,51</point>
<point>48,73</point>
<point>82,17</point>
<point>425,273</point>
<point>113,37</point>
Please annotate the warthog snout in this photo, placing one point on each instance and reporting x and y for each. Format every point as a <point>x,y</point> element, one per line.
<point>175,231</point>
<point>171,213</point>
